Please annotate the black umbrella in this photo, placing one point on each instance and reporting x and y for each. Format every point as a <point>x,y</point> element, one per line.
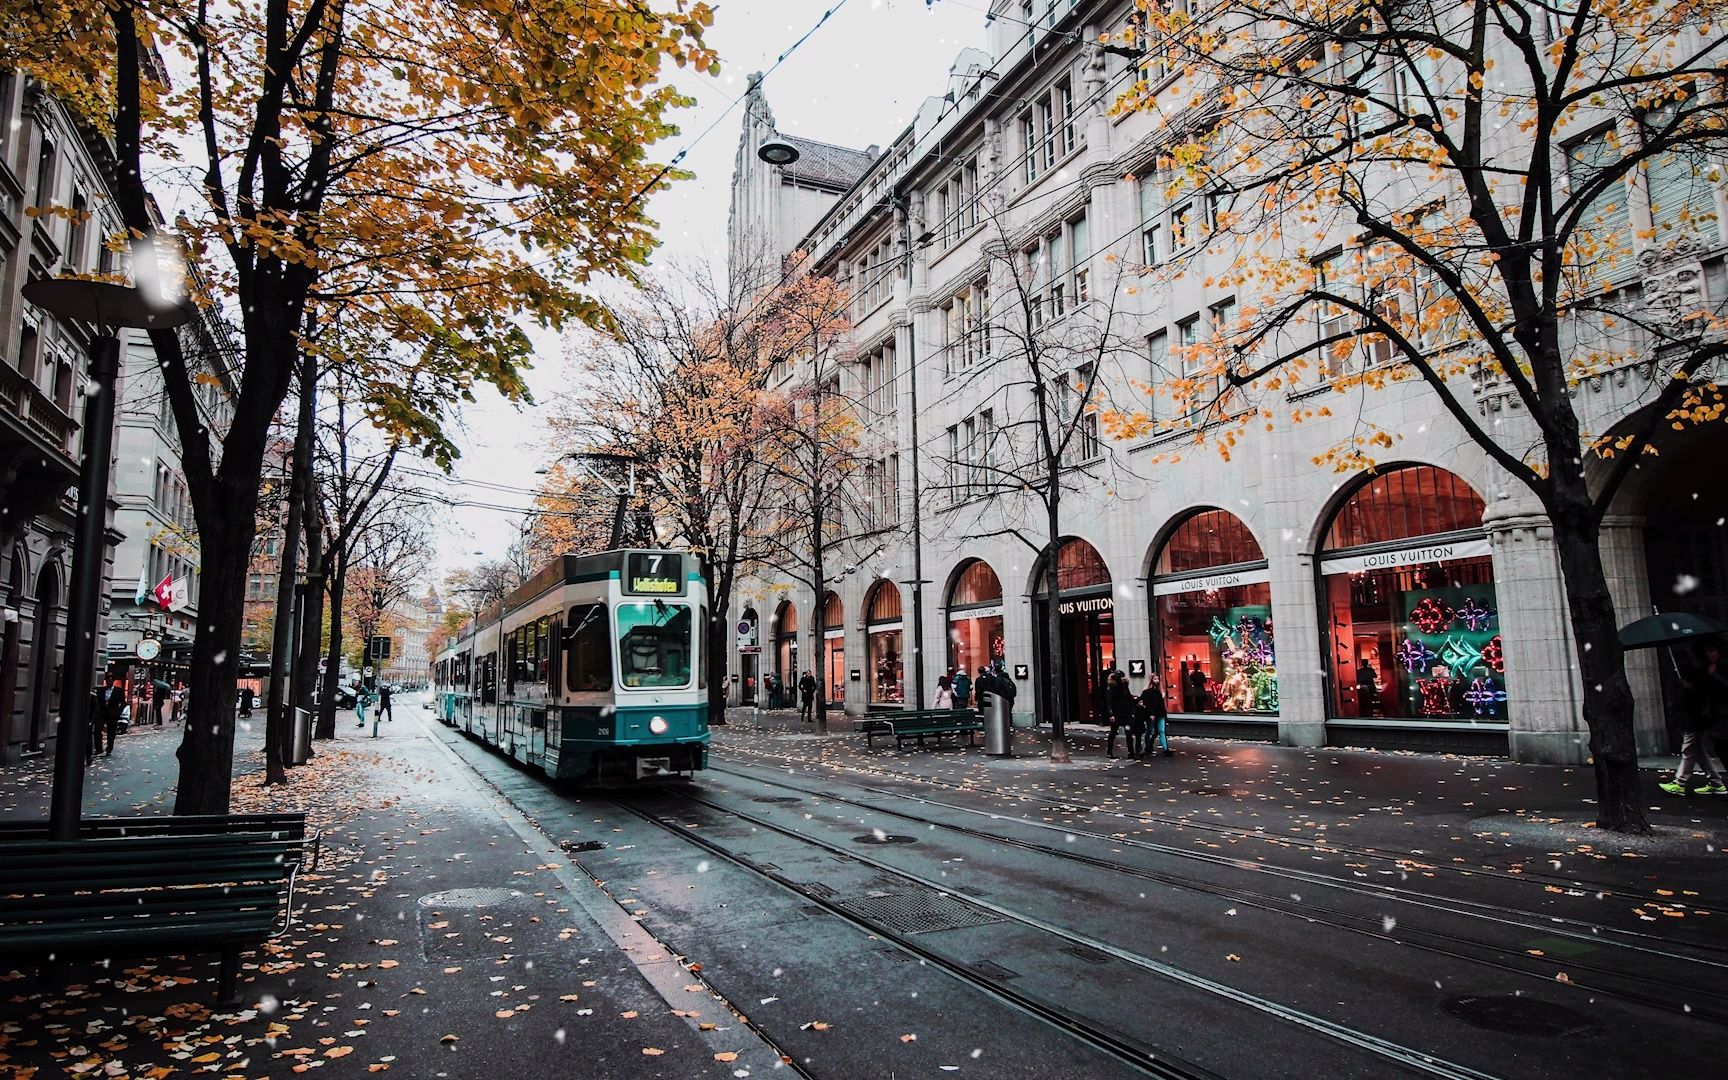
<point>1667,629</point>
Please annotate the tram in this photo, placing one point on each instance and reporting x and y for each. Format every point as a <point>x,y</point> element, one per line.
<point>591,670</point>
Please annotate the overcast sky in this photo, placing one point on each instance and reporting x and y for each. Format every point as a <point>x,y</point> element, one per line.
<point>858,80</point>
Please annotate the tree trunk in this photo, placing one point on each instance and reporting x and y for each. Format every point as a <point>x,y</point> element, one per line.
<point>1608,706</point>
<point>311,619</point>
<point>333,655</point>
<point>207,744</point>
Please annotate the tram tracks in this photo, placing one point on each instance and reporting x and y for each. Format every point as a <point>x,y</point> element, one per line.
<point>1124,1048</point>
<point>1582,973</point>
<point>1414,862</point>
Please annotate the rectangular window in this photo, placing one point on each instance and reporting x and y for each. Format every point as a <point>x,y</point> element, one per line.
<point>956,464</point>
<point>891,498</point>
<point>1079,255</point>
<point>1029,146</point>
<point>1332,320</point>
<point>1681,193</point>
<point>1158,371</point>
<point>1181,228</point>
<point>1604,227</point>
<point>1065,116</point>
<point>654,644</point>
<point>588,649</point>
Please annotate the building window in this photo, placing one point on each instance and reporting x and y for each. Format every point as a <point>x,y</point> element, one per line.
<point>1077,416</point>
<point>1212,617</point>
<point>965,329</point>
<point>884,638</point>
<point>1411,623</point>
<point>975,630</point>
<point>1056,271</point>
<point>1048,132</point>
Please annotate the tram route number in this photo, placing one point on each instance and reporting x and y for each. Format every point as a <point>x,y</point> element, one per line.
<point>654,574</point>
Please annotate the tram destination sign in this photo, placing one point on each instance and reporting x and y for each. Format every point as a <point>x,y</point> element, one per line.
<point>653,573</point>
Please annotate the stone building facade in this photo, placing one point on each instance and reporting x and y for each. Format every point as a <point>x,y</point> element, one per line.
<point>1417,606</point>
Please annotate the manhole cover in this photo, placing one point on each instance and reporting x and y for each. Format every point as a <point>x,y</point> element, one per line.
<point>585,845</point>
<point>777,800</point>
<point>883,838</point>
<point>917,913</point>
<point>1520,1016</point>
<point>469,898</point>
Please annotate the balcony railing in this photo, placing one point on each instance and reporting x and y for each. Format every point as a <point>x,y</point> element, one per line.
<point>21,398</point>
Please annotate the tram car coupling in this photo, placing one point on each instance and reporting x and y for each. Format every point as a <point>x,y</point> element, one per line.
<point>592,670</point>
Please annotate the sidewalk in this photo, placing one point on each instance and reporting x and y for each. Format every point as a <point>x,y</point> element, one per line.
<point>440,937</point>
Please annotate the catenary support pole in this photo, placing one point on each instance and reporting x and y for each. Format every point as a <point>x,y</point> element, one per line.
<point>66,804</point>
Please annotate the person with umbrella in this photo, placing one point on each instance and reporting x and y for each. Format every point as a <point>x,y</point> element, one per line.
<point>1704,711</point>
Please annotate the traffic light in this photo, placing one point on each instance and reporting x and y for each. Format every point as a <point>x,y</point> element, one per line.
<point>378,648</point>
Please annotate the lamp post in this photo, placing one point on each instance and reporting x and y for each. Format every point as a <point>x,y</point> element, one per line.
<point>107,307</point>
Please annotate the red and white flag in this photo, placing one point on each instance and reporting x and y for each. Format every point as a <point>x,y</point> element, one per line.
<point>164,590</point>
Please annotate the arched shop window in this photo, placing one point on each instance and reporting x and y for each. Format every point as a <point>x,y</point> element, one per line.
<point>975,618</point>
<point>1212,616</point>
<point>1088,614</point>
<point>884,640</point>
<point>834,647</point>
<point>786,648</point>
<point>1412,623</point>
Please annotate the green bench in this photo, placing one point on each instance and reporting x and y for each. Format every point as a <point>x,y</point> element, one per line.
<point>921,724</point>
<point>150,887</point>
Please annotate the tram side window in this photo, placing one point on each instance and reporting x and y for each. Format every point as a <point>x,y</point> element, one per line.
<point>542,648</point>
<point>551,636</point>
<point>588,663</point>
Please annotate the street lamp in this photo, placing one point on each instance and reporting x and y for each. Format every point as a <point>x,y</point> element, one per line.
<point>107,307</point>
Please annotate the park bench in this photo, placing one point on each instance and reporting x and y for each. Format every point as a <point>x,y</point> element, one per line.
<point>921,724</point>
<point>150,887</point>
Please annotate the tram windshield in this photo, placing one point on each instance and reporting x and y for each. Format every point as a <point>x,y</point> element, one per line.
<point>654,644</point>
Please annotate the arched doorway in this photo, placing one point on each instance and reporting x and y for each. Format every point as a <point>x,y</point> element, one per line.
<point>749,656</point>
<point>1212,619</point>
<point>1685,508</point>
<point>1088,613</point>
<point>44,655</point>
<point>1410,623</point>
<point>975,635</point>
<point>834,648</point>
<point>884,641</point>
<point>785,656</point>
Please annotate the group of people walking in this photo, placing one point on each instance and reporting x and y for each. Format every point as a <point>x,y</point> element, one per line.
<point>1145,718</point>
<point>957,690</point>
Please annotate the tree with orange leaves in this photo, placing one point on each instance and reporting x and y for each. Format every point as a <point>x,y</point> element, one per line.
<point>1494,201</point>
<point>443,169</point>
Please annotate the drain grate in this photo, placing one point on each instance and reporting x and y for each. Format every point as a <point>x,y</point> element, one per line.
<point>917,913</point>
<point>777,800</point>
<point>469,898</point>
<point>883,838</point>
<point>1520,1016</point>
<point>1091,956</point>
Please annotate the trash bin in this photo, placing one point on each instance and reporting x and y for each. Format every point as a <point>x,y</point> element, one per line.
<point>300,745</point>
<point>998,738</point>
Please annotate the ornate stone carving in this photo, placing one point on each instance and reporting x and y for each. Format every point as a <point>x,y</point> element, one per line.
<point>1674,283</point>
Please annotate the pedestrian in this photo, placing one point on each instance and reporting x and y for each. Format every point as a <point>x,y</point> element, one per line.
<point>1119,702</point>
<point>1367,689</point>
<point>110,706</point>
<point>961,685</point>
<point>384,702</point>
<point>807,698</point>
<point>159,691</point>
<point>1703,712</point>
<point>246,700</point>
<point>177,701</point>
<point>360,703</point>
<point>1156,716</point>
<point>771,685</point>
<point>1003,687</point>
<point>1196,688</point>
<point>944,695</point>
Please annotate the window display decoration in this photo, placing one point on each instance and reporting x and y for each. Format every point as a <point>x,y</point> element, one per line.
<point>1474,616</point>
<point>1494,654</point>
<point>1414,655</point>
<point>1250,676</point>
<point>1483,695</point>
<point>1436,694</point>
<point>1458,652</point>
<point>1432,616</point>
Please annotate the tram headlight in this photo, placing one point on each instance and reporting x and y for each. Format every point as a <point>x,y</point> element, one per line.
<point>658,725</point>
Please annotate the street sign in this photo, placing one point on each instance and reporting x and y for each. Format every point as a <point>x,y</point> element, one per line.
<point>378,648</point>
<point>366,672</point>
<point>746,635</point>
<point>149,648</point>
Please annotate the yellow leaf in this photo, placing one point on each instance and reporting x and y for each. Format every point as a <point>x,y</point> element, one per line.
<point>652,1051</point>
<point>338,1051</point>
<point>726,1055</point>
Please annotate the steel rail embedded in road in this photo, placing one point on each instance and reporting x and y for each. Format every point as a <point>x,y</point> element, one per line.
<point>1397,1053</point>
<point>1433,941</point>
<point>1601,889</point>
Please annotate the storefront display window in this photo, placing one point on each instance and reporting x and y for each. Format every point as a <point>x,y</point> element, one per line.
<point>885,641</point>
<point>834,648</point>
<point>1087,609</point>
<point>785,657</point>
<point>975,635</point>
<point>1212,615</point>
<point>1413,618</point>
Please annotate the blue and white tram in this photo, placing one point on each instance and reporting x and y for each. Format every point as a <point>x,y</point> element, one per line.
<point>591,670</point>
